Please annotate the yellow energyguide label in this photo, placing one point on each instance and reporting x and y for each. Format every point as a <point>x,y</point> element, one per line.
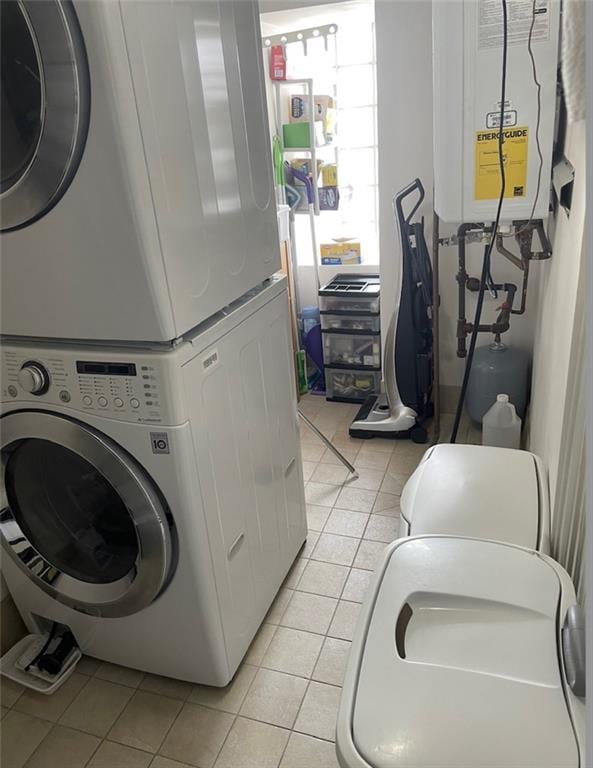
<point>487,164</point>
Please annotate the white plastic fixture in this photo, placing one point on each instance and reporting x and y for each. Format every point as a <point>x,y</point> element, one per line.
<point>467,63</point>
<point>484,492</point>
<point>456,661</point>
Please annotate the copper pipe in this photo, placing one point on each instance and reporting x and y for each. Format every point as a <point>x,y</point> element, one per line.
<point>503,321</point>
<point>508,254</point>
<point>461,283</point>
<point>521,310</point>
<point>522,264</point>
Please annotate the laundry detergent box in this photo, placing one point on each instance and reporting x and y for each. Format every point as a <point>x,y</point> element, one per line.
<point>329,198</point>
<point>341,251</point>
<point>329,175</point>
<point>298,108</point>
<point>324,111</point>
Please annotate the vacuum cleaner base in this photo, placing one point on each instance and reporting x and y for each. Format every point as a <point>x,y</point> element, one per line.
<point>375,419</point>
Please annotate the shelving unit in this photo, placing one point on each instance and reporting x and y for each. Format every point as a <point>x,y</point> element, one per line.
<point>280,102</point>
<point>330,57</point>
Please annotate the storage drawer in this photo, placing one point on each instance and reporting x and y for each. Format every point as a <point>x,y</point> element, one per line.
<point>349,303</point>
<point>352,349</point>
<point>370,323</point>
<point>351,385</point>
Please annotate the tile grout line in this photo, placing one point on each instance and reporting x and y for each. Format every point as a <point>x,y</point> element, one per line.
<point>113,741</point>
<point>309,681</point>
<point>326,636</point>
<point>166,732</point>
<point>185,700</point>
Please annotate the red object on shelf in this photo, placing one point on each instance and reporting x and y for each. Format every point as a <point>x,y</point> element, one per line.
<point>277,63</point>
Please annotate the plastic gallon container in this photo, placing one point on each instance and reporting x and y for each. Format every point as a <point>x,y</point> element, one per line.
<point>497,368</point>
<point>501,426</point>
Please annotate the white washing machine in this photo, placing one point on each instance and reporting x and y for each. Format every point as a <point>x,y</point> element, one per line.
<point>136,187</point>
<point>153,501</point>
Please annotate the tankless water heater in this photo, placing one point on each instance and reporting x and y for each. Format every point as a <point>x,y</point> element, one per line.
<point>467,71</point>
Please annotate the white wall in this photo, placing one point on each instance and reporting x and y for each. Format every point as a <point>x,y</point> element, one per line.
<point>558,302</point>
<point>404,122</point>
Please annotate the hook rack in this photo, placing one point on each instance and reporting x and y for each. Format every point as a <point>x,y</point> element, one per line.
<point>301,36</point>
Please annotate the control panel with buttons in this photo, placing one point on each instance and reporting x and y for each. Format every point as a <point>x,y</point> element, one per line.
<point>122,386</point>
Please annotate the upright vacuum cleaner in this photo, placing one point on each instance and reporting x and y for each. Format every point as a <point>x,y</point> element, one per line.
<point>401,412</point>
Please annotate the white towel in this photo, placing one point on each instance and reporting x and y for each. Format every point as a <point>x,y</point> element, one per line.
<point>573,59</point>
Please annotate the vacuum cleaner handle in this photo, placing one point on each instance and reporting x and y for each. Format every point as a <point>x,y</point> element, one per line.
<point>416,185</point>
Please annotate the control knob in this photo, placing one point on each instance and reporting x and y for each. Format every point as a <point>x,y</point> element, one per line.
<point>34,378</point>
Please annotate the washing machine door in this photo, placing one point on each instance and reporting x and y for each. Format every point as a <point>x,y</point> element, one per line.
<point>80,517</point>
<point>45,107</point>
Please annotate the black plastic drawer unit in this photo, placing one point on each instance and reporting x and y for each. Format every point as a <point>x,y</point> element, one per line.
<point>351,328</point>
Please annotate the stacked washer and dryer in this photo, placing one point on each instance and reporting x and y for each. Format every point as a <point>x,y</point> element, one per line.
<point>152,493</point>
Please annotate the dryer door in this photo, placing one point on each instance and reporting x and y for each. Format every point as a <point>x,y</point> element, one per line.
<point>45,107</point>
<point>80,517</point>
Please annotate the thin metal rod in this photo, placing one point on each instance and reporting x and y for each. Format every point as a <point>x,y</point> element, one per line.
<point>436,301</point>
<point>329,444</point>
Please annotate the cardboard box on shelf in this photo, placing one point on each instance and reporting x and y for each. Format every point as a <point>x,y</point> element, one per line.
<point>342,250</point>
<point>329,199</point>
<point>299,108</point>
<point>329,175</point>
<point>277,63</point>
<point>324,108</point>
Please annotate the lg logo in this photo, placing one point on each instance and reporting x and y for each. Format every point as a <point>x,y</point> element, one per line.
<point>159,442</point>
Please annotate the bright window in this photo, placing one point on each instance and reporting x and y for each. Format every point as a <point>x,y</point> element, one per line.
<point>346,70</point>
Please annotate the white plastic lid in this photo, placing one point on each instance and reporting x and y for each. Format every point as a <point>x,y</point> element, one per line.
<point>458,666</point>
<point>480,491</point>
<point>502,398</point>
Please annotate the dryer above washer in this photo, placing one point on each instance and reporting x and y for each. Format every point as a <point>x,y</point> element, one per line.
<point>136,185</point>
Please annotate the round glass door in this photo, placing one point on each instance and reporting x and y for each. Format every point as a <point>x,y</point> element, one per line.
<point>45,106</point>
<point>70,513</point>
<point>22,95</point>
<point>80,518</point>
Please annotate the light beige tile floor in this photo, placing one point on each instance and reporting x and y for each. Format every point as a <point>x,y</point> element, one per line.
<point>280,710</point>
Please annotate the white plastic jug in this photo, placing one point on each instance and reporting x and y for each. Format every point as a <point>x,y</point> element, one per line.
<point>501,426</point>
